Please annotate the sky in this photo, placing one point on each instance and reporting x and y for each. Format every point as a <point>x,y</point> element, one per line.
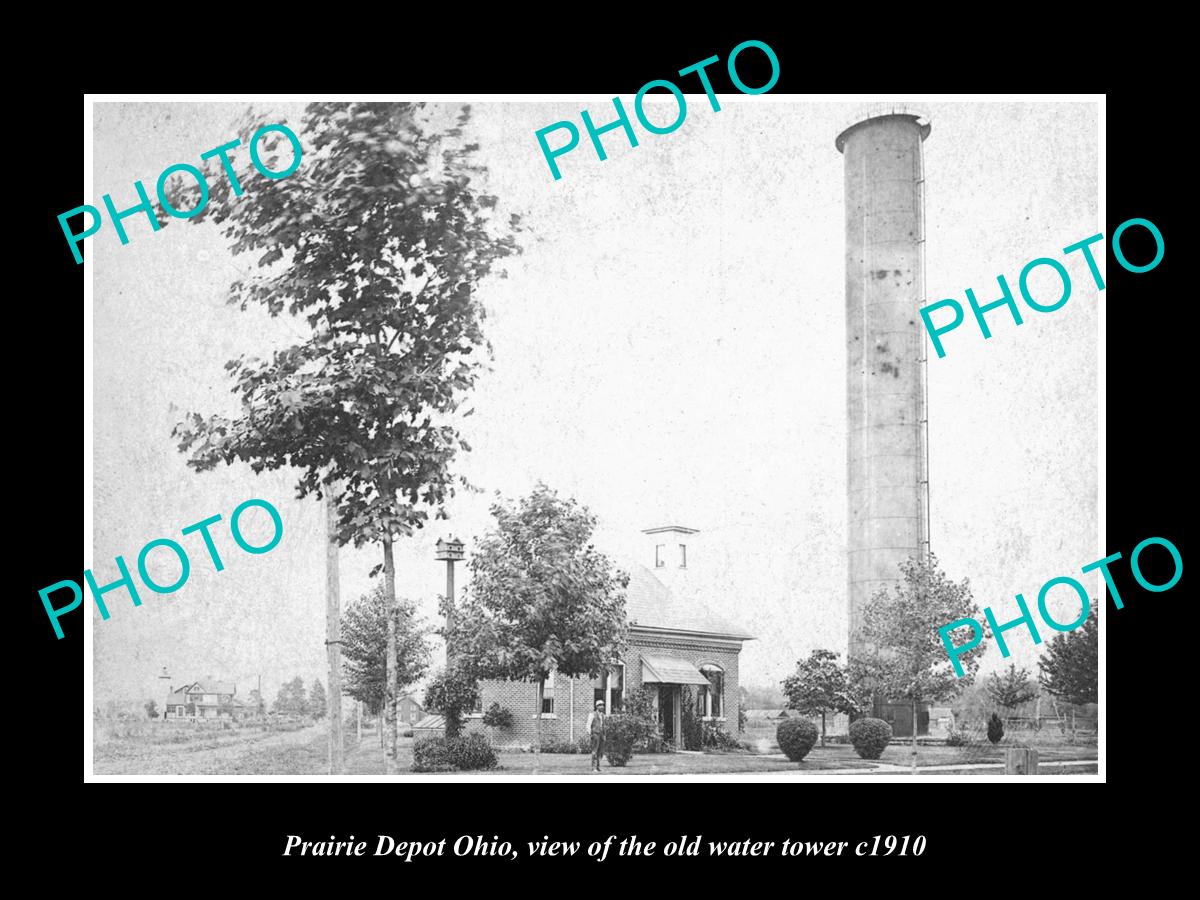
<point>669,349</point>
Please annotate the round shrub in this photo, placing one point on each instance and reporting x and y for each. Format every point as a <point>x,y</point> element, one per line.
<point>471,753</point>
<point>796,737</point>
<point>870,737</point>
<point>430,754</point>
<point>620,734</point>
<point>995,728</point>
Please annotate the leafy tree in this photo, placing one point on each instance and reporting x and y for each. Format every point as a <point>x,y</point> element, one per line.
<point>225,706</point>
<point>256,701</point>
<point>190,708</point>
<point>317,701</point>
<point>382,242</point>
<point>452,692</point>
<point>820,685</point>
<point>292,700</point>
<point>151,710</point>
<point>909,660</point>
<point>365,647</point>
<point>1070,666</point>
<point>542,599</point>
<point>1012,689</point>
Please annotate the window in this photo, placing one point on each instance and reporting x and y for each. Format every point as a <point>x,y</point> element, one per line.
<point>714,694</point>
<point>659,562</point>
<point>616,688</point>
<point>683,556</point>
<point>548,695</point>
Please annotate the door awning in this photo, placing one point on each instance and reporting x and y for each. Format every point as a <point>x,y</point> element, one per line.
<point>670,670</point>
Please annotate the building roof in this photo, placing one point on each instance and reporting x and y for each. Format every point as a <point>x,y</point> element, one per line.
<point>670,670</point>
<point>767,714</point>
<point>431,721</point>
<point>409,696</point>
<point>651,604</point>
<point>208,686</point>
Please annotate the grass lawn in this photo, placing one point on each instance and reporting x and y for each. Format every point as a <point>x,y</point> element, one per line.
<point>368,760</point>
<point>300,752</point>
<point>674,763</point>
<point>304,752</point>
<point>1043,769</point>
<point>941,755</point>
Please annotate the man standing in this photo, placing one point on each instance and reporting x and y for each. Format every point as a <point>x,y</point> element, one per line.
<point>595,727</point>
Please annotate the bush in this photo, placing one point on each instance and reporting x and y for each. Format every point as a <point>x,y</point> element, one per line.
<point>471,753</point>
<point>796,737</point>
<point>497,716</point>
<point>957,739</point>
<point>870,737</point>
<point>430,754</point>
<point>584,742</point>
<point>621,732</point>
<point>995,728</point>
<point>715,737</point>
<point>442,754</point>
<point>654,742</point>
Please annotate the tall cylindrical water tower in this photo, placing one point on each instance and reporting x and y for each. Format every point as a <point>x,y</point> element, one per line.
<point>886,391</point>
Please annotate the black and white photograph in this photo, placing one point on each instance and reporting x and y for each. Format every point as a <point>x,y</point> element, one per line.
<point>532,439</point>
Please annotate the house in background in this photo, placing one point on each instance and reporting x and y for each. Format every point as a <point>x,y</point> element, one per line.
<point>204,699</point>
<point>408,710</point>
<point>677,648</point>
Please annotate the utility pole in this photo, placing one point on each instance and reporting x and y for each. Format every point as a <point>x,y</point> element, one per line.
<point>451,551</point>
<point>333,634</point>
<point>166,705</point>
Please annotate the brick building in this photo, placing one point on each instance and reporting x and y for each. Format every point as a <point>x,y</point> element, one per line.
<point>674,641</point>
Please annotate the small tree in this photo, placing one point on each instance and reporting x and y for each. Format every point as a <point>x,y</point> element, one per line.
<point>1011,689</point>
<point>910,661</point>
<point>820,685</point>
<point>152,710</point>
<point>452,692</point>
<point>291,700</point>
<point>365,647</point>
<point>381,241</point>
<point>256,701</point>
<point>542,598</point>
<point>1071,664</point>
<point>995,728</point>
<point>317,701</point>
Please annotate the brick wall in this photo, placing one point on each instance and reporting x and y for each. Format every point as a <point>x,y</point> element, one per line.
<point>569,719</point>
